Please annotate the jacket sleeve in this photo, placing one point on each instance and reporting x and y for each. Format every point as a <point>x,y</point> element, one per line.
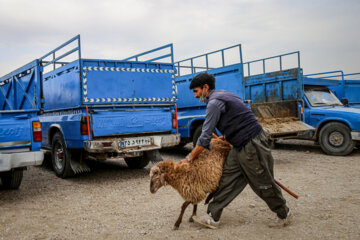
<point>213,112</point>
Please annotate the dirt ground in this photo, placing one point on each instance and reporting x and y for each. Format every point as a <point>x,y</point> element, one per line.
<point>114,202</point>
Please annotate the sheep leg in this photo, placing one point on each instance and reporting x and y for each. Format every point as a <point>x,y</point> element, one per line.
<point>183,207</point>
<point>193,213</point>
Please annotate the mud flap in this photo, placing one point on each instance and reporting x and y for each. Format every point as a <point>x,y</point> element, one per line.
<point>77,163</point>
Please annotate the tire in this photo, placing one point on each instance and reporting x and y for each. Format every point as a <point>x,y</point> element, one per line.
<point>197,134</point>
<point>12,179</point>
<point>137,162</point>
<point>60,157</point>
<point>335,139</point>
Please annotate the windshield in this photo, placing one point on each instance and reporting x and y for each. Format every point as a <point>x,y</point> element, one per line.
<point>321,97</point>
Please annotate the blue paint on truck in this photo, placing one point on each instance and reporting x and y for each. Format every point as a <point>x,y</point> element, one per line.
<point>20,129</point>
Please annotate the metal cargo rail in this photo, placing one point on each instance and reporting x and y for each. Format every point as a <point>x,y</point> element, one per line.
<point>189,63</point>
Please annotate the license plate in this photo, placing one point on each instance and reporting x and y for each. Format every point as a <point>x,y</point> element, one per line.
<point>134,142</point>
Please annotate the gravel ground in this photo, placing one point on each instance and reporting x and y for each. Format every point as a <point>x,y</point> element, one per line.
<point>114,202</point>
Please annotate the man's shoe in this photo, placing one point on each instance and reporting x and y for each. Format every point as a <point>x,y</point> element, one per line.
<point>207,221</point>
<point>282,222</point>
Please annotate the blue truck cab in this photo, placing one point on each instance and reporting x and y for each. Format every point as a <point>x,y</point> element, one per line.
<point>20,129</point>
<point>102,109</point>
<point>337,126</point>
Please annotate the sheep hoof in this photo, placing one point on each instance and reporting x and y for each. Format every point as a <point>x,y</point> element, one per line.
<point>175,228</point>
<point>191,219</point>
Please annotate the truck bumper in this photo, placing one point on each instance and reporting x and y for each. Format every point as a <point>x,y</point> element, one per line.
<point>9,161</point>
<point>355,136</point>
<point>114,144</point>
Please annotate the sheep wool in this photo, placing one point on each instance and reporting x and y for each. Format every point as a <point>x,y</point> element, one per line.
<point>194,180</point>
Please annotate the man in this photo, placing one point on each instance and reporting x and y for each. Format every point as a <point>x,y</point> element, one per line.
<point>249,162</point>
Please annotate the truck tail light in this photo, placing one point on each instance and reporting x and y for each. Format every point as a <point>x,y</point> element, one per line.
<point>174,120</point>
<point>36,125</point>
<point>83,126</point>
<point>302,114</point>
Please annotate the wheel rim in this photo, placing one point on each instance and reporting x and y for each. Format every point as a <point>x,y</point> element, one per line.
<point>59,156</point>
<point>336,139</point>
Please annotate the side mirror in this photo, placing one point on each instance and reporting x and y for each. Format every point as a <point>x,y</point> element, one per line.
<point>345,101</point>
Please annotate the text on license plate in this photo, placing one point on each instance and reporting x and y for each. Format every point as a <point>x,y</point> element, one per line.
<point>133,142</point>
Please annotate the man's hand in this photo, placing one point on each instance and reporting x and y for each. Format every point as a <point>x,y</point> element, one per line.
<point>216,137</point>
<point>187,159</point>
<point>184,161</point>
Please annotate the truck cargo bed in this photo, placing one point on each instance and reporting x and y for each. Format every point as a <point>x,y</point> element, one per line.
<point>280,119</point>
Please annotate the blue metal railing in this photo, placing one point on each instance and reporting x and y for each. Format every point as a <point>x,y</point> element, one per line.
<point>55,59</point>
<point>193,68</point>
<point>352,74</point>
<point>339,72</point>
<point>325,73</point>
<point>263,60</point>
<point>168,55</point>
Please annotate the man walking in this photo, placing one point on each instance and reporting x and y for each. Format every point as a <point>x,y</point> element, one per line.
<point>249,162</point>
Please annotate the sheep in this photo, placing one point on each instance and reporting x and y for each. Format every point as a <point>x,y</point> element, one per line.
<point>192,180</point>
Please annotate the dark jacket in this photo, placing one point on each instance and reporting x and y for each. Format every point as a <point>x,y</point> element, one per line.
<point>238,123</point>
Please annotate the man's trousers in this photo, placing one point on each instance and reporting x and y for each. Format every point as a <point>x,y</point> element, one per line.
<point>252,165</point>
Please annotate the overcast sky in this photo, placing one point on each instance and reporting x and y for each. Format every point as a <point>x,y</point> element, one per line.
<point>326,32</point>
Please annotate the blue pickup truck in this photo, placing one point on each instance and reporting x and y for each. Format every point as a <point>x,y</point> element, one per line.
<point>279,99</point>
<point>337,125</point>
<point>20,129</point>
<point>101,109</point>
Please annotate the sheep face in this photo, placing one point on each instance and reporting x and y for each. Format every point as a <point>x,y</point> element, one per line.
<point>157,179</point>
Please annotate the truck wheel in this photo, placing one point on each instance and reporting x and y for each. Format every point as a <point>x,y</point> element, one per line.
<point>137,162</point>
<point>197,134</point>
<point>60,157</point>
<point>12,179</point>
<point>335,139</point>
